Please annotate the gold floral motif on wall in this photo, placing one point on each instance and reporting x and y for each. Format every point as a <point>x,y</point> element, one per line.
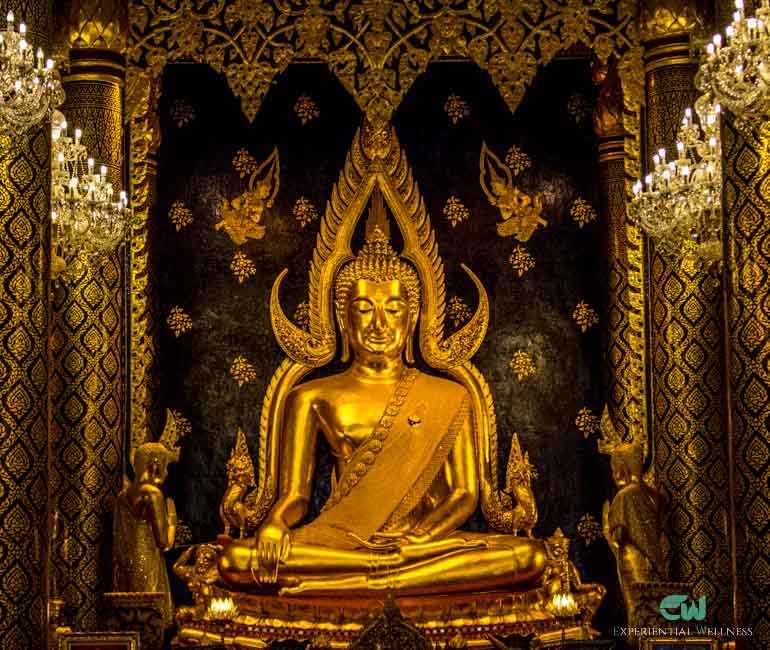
<point>456,108</point>
<point>522,365</point>
<point>241,216</point>
<point>517,160</point>
<point>304,212</point>
<point>181,112</point>
<point>179,321</point>
<point>521,260</point>
<point>457,311</point>
<point>242,266</point>
<point>376,49</point>
<point>585,316</point>
<point>582,212</point>
<point>586,422</point>
<point>521,212</point>
<point>455,212</point>
<point>180,215</point>
<point>306,109</point>
<point>589,528</point>
<point>242,370</point>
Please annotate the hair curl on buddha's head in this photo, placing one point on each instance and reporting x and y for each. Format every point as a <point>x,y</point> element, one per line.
<point>377,261</point>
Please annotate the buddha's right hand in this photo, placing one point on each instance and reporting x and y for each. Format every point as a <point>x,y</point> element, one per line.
<point>273,545</point>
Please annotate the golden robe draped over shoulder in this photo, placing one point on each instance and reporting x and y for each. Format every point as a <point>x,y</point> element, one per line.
<point>388,475</point>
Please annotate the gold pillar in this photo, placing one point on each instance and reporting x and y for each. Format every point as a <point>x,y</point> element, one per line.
<point>88,339</point>
<point>747,260</point>
<point>686,355</point>
<point>24,273</point>
<point>623,376</point>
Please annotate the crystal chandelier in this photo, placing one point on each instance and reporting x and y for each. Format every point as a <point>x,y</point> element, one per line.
<point>29,87</point>
<point>88,222</point>
<point>737,71</point>
<point>679,203</point>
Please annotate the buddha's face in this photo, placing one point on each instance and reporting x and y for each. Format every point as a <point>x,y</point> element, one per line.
<point>378,319</point>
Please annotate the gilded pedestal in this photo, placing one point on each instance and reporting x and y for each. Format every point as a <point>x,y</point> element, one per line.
<point>24,271</point>
<point>88,354</point>
<point>686,349</point>
<point>747,227</point>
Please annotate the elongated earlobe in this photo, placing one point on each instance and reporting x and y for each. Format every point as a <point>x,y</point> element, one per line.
<point>409,352</point>
<point>345,353</point>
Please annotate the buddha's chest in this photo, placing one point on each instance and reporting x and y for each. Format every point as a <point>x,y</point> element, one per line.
<point>350,422</point>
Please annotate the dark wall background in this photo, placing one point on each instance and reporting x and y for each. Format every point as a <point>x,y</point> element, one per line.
<point>531,313</point>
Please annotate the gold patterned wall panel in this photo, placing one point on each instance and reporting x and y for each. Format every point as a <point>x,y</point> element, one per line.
<point>687,349</point>
<point>86,432</point>
<point>747,197</point>
<point>24,269</point>
<point>87,393</point>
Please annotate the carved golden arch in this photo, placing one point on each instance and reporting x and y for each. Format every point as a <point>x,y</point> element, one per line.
<point>376,49</point>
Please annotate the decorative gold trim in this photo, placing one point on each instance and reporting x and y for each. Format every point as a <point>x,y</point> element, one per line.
<point>96,76</point>
<point>376,50</point>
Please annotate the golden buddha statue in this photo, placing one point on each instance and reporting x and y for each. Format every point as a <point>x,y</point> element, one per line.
<point>406,475</point>
<point>416,451</point>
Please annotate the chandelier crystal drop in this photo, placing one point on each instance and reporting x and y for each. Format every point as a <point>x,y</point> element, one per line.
<point>88,221</point>
<point>29,85</point>
<point>735,69</point>
<point>679,203</point>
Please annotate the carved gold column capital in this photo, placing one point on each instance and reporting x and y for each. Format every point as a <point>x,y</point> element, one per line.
<point>94,24</point>
<point>665,27</point>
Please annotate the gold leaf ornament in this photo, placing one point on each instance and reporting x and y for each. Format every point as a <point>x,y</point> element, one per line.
<point>586,422</point>
<point>242,370</point>
<point>517,160</point>
<point>304,212</point>
<point>582,212</point>
<point>180,215</point>
<point>455,211</point>
<point>179,321</point>
<point>585,316</point>
<point>522,365</point>
<point>456,108</point>
<point>521,260</point>
<point>306,109</point>
<point>589,529</point>
<point>242,266</point>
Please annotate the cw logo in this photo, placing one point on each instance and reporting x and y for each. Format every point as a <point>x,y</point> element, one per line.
<point>674,607</point>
